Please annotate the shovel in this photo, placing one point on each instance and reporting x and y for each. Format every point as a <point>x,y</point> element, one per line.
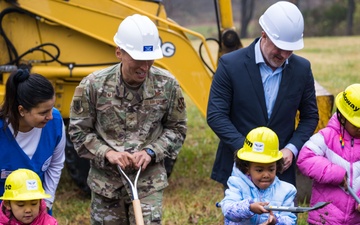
<point>353,194</point>
<point>135,198</point>
<point>299,209</point>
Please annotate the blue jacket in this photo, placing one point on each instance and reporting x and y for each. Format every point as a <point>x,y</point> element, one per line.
<point>237,105</point>
<point>13,157</point>
<point>242,192</point>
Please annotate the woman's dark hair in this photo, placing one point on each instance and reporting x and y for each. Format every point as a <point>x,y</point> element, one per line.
<point>28,90</point>
<point>244,165</point>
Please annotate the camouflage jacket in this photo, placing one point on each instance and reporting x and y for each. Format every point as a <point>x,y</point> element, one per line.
<point>105,116</point>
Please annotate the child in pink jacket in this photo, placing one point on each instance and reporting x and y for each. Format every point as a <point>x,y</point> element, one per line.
<point>23,200</point>
<point>331,158</point>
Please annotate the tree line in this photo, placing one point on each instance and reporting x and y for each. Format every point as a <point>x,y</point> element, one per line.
<point>322,17</point>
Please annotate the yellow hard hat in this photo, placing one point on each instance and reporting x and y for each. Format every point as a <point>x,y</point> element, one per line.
<point>261,145</point>
<point>348,103</point>
<point>23,185</point>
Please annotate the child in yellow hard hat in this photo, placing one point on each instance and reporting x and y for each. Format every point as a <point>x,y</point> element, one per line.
<point>331,158</point>
<point>253,183</point>
<point>23,200</point>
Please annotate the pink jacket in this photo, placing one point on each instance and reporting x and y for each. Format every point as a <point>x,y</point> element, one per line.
<point>326,163</point>
<point>43,218</point>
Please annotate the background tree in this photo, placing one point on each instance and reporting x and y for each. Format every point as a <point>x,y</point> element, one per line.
<point>350,17</point>
<point>296,2</point>
<point>247,9</point>
<point>322,17</point>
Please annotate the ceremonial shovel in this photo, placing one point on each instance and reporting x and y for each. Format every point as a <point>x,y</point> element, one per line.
<point>135,198</point>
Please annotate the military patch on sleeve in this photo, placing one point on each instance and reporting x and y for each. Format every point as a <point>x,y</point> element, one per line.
<point>181,104</point>
<point>78,91</point>
<point>77,106</point>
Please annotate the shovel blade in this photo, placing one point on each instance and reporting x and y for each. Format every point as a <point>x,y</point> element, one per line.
<point>319,205</point>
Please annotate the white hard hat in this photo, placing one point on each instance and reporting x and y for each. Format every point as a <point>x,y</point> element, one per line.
<point>139,37</point>
<point>284,25</point>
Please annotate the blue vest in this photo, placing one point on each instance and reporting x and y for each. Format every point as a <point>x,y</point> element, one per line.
<point>12,157</point>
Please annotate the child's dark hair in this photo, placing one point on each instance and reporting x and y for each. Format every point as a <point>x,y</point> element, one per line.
<point>244,165</point>
<point>28,90</point>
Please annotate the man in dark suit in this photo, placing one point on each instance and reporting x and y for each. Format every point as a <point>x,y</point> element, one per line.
<point>264,84</point>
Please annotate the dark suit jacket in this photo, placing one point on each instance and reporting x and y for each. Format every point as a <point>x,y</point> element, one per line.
<point>237,105</point>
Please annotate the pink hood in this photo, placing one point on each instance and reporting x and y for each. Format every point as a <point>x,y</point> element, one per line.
<point>6,217</point>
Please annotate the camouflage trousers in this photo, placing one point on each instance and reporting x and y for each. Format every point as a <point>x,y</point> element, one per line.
<point>106,211</point>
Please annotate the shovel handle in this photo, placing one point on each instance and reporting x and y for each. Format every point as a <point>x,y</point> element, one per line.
<point>135,198</point>
<point>282,208</point>
<point>138,212</point>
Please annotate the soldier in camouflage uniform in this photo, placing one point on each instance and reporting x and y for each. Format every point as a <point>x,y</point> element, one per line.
<point>133,115</point>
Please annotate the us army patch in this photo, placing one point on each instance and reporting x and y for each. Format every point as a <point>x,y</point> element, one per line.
<point>181,104</point>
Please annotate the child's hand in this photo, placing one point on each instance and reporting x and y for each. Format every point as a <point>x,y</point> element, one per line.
<point>344,183</point>
<point>358,208</point>
<point>258,207</point>
<point>271,220</point>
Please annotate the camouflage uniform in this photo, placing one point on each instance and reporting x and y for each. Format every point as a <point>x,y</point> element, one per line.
<point>106,115</point>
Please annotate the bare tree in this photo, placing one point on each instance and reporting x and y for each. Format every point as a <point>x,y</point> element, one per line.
<point>247,9</point>
<point>350,17</point>
<point>296,2</point>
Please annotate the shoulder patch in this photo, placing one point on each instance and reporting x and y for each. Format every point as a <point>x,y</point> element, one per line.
<point>78,91</point>
<point>181,104</point>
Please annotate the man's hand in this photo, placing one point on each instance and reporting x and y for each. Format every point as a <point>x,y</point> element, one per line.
<point>124,159</point>
<point>142,159</point>
<point>288,158</point>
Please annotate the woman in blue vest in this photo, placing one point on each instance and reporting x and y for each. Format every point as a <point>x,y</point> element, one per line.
<point>32,133</point>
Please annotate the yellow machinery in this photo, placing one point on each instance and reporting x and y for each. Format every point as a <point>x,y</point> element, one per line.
<point>66,40</point>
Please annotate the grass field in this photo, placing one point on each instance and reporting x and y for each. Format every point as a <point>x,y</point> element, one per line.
<point>191,196</point>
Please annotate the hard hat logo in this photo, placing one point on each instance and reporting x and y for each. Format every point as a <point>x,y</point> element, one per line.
<point>31,185</point>
<point>258,147</point>
<point>248,143</point>
<point>139,37</point>
<point>148,48</point>
<point>351,105</point>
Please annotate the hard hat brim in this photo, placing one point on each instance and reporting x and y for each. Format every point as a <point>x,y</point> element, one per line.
<point>288,46</point>
<point>137,55</point>
<point>157,54</point>
<point>26,197</point>
<point>258,157</point>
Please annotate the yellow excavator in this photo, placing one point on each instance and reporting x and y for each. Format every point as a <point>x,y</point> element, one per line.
<point>65,40</point>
